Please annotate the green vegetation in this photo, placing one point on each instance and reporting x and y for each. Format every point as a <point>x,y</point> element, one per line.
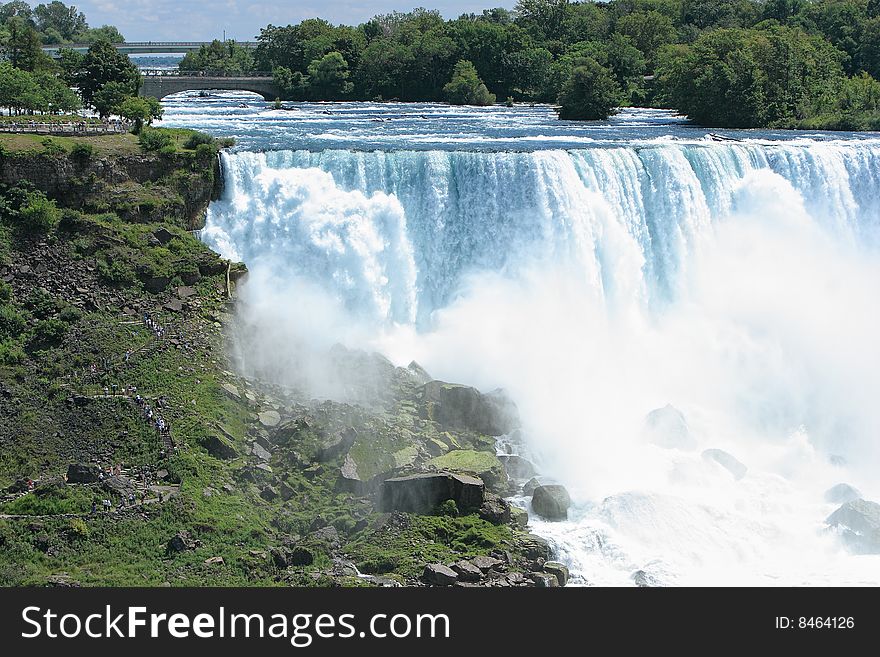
<point>53,23</point>
<point>590,93</point>
<point>778,63</point>
<point>219,57</point>
<point>466,87</point>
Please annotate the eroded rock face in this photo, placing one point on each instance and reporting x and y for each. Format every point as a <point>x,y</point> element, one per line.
<point>421,493</point>
<point>667,427</point>
<point>465,408</point>
<point>858,522</point>
<point>551,502</point>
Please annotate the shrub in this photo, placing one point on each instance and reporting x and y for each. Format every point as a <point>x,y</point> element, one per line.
<point>154,139</point>
<point>52,148</point>
<point>40,214</point>
<point>197,139</point>
<point>81,152</point>
<point>11,353</point>
<point>117,273</point>
<point>205,152</point>
<point>168,149</point>
<point>48,332</point>
<point>70,315</point>
<point>12,323</point>
<point>5,291</point>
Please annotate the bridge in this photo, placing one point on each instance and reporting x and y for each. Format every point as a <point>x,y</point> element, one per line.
<point>145,47</point>
<point>159,83</point>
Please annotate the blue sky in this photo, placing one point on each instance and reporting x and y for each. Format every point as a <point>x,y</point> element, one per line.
<point>167,20</point>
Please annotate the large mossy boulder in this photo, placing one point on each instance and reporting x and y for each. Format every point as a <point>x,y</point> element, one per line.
<point>218,446</point>
<point>858,523</point>
<point>463,408</point>
<point>422,493</point>
<point>551,502</point>
<point>484,465</point>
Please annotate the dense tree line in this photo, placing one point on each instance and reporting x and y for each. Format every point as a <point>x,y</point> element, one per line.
<point>723,62</point>
<point>53,23</point>
<point>31,82</point>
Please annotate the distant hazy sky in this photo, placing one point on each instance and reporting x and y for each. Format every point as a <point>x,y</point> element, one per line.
<point>198,20</point>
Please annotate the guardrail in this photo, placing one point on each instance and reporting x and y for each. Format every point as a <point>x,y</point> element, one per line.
<point>71,128</point>
<point>150,44</point>
<point>175,73</point>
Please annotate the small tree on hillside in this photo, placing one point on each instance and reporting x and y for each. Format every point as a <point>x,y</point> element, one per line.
<point>466,87</point>
<point>140,110</point>
<point>590,93</point>
<point>109,97</point>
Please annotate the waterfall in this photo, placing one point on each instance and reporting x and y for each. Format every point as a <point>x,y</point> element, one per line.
<point>737,281</point>
<point>396,231</point>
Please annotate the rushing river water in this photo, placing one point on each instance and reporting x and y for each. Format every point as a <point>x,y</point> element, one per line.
<point>596,272</point>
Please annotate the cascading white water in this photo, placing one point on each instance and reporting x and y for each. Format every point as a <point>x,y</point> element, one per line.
<point>737,281</point>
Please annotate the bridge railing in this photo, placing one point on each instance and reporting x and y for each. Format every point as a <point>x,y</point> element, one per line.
<point>149,44</point>
<point>176,73</point>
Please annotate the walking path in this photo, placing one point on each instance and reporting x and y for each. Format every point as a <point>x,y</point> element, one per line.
<point>72,128</point>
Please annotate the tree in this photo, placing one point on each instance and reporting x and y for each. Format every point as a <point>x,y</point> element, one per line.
<point>110,97</point>
<point>141,110</point>
<point>648,31</point>
<point>105,32</point>
<point>67,21</point>
<point>104,64</point>
<point>225,57</point>
<point>466,87</point>
<point>23,47</point>
<point>590,94</point>
<point>17,8</point>
<point>328,77</point>
<point>57,95</point>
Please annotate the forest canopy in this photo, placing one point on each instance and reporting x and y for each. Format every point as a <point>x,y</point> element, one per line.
<point>781,63</point>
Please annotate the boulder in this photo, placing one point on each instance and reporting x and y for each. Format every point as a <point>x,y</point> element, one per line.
<point>218,446</point>
<point>519,517</point>
<point>559,570</point>
<point>119,485</point>
<point>269,418</point>
<point>82,474</point>
<point>517,467</point>
<point>530,486</point>
<point>418,373</point>
<point>544,580</point>
<point>163,236</point>
<point>495,509</point>
<point>484,465</point>
<point>214,561</point>
<point>285,491</point>
<point>485,564</point>
<point>534,547</point>
<point>421,493</point>
<point>726,461</point>
<point>667,427</point>
<point>840,494</point>
<point>181,542</point>
<point>155,284</point>
<point>174,305</point>
<point>858,523</point>
<point>464,408</point>
<point>335,444</point>
<point>551,502</point>
<point>467,571</point>
<point>260,452</point>
<point>436,574</point>
<point>269,493</point>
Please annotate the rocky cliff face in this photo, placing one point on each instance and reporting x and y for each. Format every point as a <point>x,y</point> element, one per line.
<point>143,188</point>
